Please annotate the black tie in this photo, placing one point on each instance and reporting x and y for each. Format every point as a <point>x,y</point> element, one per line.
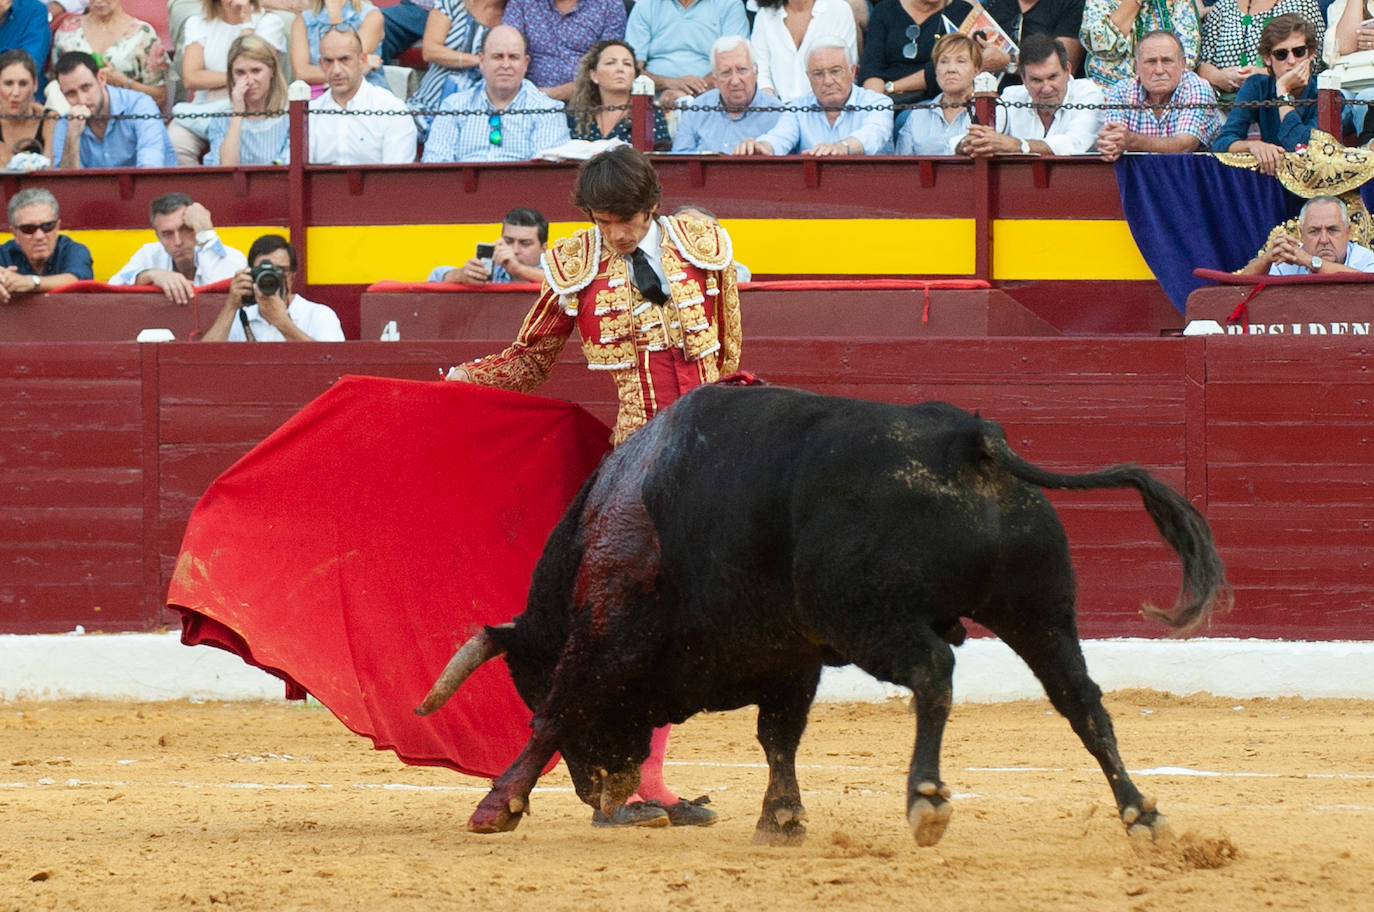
<point>646,280</point>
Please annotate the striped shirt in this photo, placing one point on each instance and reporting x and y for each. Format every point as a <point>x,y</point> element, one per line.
<point>262,140</point>
<point>465,35</point>
<point>467,135</point>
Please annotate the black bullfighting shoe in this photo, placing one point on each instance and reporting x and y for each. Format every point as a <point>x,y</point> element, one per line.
<point>634,814</point>
<point>691,813</point>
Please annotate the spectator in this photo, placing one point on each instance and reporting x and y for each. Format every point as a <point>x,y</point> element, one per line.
<point>901,35</point>
<point>24,25</point>
<point>322,16</point>
<point>1061,19</point>
<point>1325,248</point>
<point>674,38</point>
<point>783,32</point>
<point>130,50</point>
<point>22,118</point>
<point>1230,51</point>
<point>1113,28</point>
<point>338,137</point>
<point>40,257</point>
<point>515,255</point>
<point>1166,108</point>
<point>479,129</point>
<point>454,32</point>
<point>204,66</point>
<point>188,251</point>
<point>604,78</point>
<point>702,214</point>
<point>261,307</point>
<point>1033,117</point>
<point>930,130</point>
<point>1288,47</point>
<point>831,130</point>
<point>257,133</point>
<point>560,34</point>
<point>106,127</point>
<point>748,113</point>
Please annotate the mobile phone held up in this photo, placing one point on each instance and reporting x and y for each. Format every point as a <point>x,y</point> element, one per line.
<point>484,254</point>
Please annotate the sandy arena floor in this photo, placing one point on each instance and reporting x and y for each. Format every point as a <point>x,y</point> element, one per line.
<point>110,806</point>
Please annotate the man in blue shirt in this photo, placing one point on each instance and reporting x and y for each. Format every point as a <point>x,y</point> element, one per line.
<point>748,112</point>
<point>106,127</point>
<point>24,24</point>
<point>480,129</point>
<point>831,130</point>
<point>672,41</point>
<point>40,257</point>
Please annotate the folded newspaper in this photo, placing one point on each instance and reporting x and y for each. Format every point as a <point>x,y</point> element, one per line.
<point>980,24</point>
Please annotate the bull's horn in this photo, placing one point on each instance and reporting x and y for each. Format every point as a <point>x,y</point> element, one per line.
<point>465,661</point>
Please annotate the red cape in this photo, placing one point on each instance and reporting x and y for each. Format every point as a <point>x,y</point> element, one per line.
<point>352,550</point>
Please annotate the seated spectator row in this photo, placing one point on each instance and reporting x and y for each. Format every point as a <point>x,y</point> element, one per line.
<point>502,116</point>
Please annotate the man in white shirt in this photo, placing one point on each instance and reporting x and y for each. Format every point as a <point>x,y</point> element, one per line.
<point>341,138</point>
<point>188,252</point>
<point>1325,248</point>
<point>257,308</point>
<point>1032,118</point>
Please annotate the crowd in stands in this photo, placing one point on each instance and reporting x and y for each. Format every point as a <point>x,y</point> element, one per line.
<point>83,83</point>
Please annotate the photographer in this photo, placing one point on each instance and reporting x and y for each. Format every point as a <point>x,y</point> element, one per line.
<point>257,308</point>
<point>513,258</point>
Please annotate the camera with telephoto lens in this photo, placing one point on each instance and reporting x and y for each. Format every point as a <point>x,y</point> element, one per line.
<point>269,279</point>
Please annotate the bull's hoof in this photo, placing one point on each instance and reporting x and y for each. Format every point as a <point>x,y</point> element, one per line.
<point>497,815</point>
<point>784,826</point>
<point>928,815</point>
<point>1146,824</point>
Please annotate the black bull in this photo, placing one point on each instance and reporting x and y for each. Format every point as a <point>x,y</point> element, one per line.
<point>750,535</point>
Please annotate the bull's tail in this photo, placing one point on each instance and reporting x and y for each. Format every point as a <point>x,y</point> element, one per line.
<point>1204,588</point>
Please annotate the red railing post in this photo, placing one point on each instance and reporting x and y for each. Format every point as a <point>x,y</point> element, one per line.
<point>1329,102</point>
<point>298,94</point>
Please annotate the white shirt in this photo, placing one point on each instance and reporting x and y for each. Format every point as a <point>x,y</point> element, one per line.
<point>362,139</point>
<point>214,261</point>
<point>1070,133</point>
<point>317,321</point>
<point>214,37</point>
<point>782,65</point>
<point>1356,257</point>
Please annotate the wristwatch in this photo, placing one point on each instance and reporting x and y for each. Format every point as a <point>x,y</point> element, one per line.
<point>1286,99</point>
<point>1316,264</point>
<point>1025,147</point>
<point>205,237</point>
<point>889,87</point>
<point>36,282</point>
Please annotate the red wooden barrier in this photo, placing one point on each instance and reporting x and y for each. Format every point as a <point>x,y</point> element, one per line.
<point>105,448</point>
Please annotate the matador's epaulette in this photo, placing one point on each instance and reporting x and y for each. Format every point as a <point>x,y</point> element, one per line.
<point>571,263</point>
<point>701,243</point>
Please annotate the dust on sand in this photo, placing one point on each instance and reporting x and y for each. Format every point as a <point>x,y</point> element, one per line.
<point>116,806</point>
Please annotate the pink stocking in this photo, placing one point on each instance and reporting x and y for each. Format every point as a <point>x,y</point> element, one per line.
<point>651,784</point>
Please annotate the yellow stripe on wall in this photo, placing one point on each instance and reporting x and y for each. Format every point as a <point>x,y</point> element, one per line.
<point>1065,249</point>
<point>1023,249</point>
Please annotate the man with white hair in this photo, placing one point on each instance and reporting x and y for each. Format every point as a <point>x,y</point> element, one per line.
<point>747,111</point>
<point>836,128</point>
<point>1325,248</point>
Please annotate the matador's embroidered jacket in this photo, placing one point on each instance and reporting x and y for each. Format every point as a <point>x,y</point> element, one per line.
<point>654,353</point>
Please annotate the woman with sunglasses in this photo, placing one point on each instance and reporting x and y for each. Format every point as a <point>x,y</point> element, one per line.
<point>1229,54</point>
<point>901,34</point>
<point>1287,46</point>
<point>344,15</point>
<point>257,133</point>
<point>783,30</point>
<point>22,118</point>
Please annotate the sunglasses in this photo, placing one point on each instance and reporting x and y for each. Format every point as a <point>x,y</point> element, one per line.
<point>45,227</point>
<point>495,123</point>
<point>913,34</point>
<point>1282,53</point>
<point>341,27</point>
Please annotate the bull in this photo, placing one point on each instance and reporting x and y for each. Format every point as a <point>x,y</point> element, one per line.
<point>749,536</point>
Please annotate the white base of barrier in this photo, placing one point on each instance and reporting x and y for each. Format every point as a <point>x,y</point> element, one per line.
<point>142,667</point>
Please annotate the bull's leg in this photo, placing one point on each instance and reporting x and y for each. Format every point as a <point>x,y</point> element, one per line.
<point>1054,655</point>
<point>500,811</point>
<point>782,719</point>
<point>928,808</point>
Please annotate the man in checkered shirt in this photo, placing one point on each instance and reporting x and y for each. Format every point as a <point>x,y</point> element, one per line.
<point>1153,112</point>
